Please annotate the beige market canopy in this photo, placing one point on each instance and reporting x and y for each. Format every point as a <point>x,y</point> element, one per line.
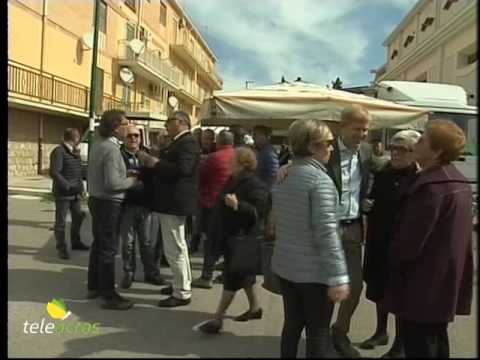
<point>279,105</point>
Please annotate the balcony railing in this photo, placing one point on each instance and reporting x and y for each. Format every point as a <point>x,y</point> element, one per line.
<point>45,87</point>
<point>150,59</point>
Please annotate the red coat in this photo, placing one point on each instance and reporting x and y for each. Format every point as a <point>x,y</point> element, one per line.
<point>430,277</point>
<point>214,174</point>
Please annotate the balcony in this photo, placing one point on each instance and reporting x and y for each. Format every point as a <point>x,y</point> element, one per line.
<point>185,49</point>
<point>190,91</point>
<point>148,65</point>
<point>27,84</point>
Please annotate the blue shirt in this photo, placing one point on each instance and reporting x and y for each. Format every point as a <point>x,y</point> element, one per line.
<point>351,182</point>
<point>267,165</point>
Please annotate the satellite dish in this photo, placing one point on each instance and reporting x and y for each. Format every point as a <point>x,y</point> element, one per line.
<point>127,75</point>
<point>87,41</point>
<point>137,46</point>
<point>173,102</point>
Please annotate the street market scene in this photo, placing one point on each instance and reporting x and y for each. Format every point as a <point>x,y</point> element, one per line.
<point>210,179</point>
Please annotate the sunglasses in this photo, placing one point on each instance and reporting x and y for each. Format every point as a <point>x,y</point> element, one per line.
<point>133,135</point>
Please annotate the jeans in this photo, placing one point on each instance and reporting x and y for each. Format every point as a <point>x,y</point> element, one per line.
<point>176,252</point>
<point>135,224</point>
<point>305,305</point>
<point>425,340</point>
<point>209,259</point>
<point>61,210</point>
<point>105,225</point>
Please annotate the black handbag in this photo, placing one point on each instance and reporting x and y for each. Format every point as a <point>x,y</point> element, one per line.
<point>245,253</point>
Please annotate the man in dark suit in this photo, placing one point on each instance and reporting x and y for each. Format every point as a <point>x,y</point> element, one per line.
<point>175,196</point>
<point>66,172</point>
<point>350,167</point>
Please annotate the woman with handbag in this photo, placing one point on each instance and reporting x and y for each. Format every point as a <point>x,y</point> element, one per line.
<point>236,230</point>
<point>308,255</point>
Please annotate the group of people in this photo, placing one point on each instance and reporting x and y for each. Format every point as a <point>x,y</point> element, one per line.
<point>418,257</point>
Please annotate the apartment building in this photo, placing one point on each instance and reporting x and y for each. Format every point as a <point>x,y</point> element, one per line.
<point>149,51</point>
<point>435,42</point>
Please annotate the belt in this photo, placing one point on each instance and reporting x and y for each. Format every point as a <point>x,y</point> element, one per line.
<point>350,221</point>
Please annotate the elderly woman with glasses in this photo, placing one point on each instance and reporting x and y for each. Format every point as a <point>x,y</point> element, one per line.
<point>308,256</point>
<point>382,206</point>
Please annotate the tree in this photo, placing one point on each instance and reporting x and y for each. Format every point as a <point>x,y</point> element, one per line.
<point>337,84</point>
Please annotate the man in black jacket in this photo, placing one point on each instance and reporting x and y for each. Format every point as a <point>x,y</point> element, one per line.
<point>175,196</point>
<point>136,220</point>
<point>66,172</point>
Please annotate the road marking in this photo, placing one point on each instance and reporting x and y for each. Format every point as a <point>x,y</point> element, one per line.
<point>24,197</point>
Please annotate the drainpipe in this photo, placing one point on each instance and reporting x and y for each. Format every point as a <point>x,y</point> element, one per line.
<point>40,121</point>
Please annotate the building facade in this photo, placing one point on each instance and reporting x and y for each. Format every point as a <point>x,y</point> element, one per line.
<point>435,42</point>
<point>49,69</point>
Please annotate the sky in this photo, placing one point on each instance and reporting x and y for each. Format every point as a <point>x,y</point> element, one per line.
<point>317,40</point>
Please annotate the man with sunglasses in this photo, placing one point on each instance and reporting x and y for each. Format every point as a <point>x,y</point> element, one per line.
<point>174,197</point>
<point>136,220</point>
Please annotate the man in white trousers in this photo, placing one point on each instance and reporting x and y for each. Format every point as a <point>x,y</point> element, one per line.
<point>174,196</point>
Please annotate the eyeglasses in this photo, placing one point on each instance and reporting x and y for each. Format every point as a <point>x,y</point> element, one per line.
<point>133,135</point>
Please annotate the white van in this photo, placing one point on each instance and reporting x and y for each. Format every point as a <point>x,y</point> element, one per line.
<point>444,102</point>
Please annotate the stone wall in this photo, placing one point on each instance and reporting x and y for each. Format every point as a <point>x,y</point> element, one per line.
<point>23,133</point>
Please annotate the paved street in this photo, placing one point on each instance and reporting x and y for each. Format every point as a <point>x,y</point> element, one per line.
<point>36,276</point>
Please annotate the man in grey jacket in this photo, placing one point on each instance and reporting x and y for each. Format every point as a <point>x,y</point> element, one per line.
<point>107,183</point>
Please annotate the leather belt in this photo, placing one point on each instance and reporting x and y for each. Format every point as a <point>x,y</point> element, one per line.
<point>350,221</point>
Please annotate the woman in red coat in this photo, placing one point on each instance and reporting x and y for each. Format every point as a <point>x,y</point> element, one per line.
<point>430,273</point>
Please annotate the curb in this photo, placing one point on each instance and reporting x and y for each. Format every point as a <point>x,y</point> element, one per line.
<point>27,191</point>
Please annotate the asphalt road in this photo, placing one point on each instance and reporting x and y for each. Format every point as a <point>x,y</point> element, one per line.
<point>36,276</point>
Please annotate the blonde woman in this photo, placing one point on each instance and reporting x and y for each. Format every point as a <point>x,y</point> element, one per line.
<point>308,255</point>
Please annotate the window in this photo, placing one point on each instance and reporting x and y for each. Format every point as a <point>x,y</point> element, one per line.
<point>467,56</point>
<point>428,21</point>
<point>408,40</point>
<point>131,4</point>
<point>163,13</point>
<point>102,26</point>
<point>448,4</point>
<point>472,58</point>
<point>394,54</point>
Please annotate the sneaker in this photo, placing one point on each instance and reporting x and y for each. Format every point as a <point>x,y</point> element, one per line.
<point>344,347</point>
<point>127,280</point>
<point>168,290</point>
<point>173,302</point>
<point>249,315</point>
<point>202,283</point>
<point>375,340</point>
<point>117,302</point>
<point>212,327</point>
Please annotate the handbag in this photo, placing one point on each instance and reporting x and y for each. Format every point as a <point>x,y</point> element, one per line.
<point>245,253</point>
<point>271,282</point>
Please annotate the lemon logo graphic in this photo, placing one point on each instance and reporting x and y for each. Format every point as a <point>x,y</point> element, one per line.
<point>57,309</point>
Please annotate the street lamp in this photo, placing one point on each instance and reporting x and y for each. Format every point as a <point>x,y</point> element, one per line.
<point>93,79</point>
<point>248,82</point>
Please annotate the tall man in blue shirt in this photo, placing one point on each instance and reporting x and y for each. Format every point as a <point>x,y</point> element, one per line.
<point>267,160</point>
<point>350,168</point>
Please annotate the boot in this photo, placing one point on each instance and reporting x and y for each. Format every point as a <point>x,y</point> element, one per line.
<point>322,346</point>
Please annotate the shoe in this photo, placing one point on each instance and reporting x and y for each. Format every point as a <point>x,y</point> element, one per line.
<point>173,302</point>
<point>92,294</point>
<point>164,262</point>
<point>117,302</point>
<point>155,280</point>
<point>220,266</point>
<point>63,254</point>
<point>344,347</point>
<point>395,352</point>
<point>168,290</point>
<point>127,280</point>
<point>202,283</point>
<point>80,246</point>
<point>249,315</point>
<point>218,279</point>
<point>375,340</point>
<point>212,327</point>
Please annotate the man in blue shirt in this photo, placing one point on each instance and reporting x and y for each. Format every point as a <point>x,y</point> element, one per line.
<point>267,160</point>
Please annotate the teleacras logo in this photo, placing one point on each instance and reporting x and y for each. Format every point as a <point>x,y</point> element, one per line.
<point>57,310</point>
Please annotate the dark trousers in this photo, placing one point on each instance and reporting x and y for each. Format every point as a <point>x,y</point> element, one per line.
<point>62,206</point>
<point>306,305</point>
<point>105,226</point>
<point>135,225</point>
<point>209,259</point>
<point>425,340</point>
